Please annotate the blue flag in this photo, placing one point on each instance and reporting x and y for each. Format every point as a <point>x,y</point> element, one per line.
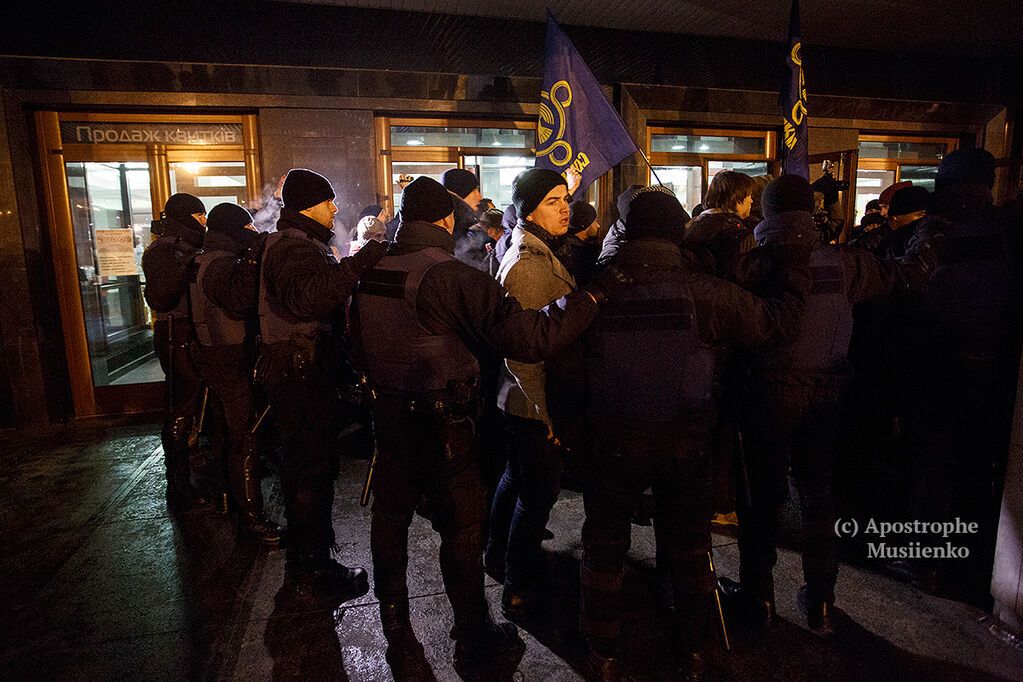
<point>793,106</point>
<point>578,128</point>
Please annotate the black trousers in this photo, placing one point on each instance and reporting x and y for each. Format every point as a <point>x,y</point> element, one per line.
<point>231,411</point>
<point>182,393</point>
<point>790,430</point>
<point>621,469</point>
<point>306,412</point>
<point>421,452</point>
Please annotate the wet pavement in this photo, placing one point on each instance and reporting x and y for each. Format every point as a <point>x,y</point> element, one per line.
<point>99,582</point>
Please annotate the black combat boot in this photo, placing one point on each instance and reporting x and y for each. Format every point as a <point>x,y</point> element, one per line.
<point>252,522</point>
<point>182,496</point>
<point>817,612</point>
<point>491,645</point>
<point>759,613</point>
<point>404,654</point>
<point>316,574</point>
<point>692,667</point>
<point>602,667</point>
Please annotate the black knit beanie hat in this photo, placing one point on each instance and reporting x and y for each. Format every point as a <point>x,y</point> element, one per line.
<point>582,215</point>
<point>971,166</point>
<point>304,189</point>
<point>655,214</point>
<point>787,193</point>
<point>426,199</point>
<point>530,187</point>
<point>181,206</point>
<point>228,218</point>
<point>909,200</point>
<point>460,181</point>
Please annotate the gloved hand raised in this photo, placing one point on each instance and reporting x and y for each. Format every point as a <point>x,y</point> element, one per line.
<point>608,283</point>
<point>368,255</point>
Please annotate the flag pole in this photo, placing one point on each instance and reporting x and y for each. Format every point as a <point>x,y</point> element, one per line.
<point>652,171</point>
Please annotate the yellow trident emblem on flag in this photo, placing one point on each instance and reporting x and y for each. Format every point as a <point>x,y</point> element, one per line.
<point>550,128</point>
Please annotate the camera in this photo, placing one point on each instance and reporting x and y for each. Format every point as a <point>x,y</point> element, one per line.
<point>828,185</point>
<point>159,226</point>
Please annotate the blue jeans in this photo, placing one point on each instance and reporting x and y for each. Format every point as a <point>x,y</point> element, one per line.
<point>522,504</point>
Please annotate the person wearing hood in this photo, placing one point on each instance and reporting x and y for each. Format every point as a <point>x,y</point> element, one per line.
<point>663,333</point>
<point>719,229</point>
<point>420,320</point>
<point>465,187</point>
<point>615,236</point>
<point>792,414</point>
<point>529,487</point>
<point>969,323</point>
<point>302,288</point>
<point>167,264</point>
<point>224,312</point>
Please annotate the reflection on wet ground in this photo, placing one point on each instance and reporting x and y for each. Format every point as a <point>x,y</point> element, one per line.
<point>99,582</point>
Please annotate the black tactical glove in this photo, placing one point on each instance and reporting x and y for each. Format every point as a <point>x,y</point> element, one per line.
<point>368,255</point>
<point>608,283</point>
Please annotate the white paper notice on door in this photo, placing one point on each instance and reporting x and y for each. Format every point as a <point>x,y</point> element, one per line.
<point>115,253</point>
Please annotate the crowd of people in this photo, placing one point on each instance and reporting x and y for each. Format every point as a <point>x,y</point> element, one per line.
<point>501,353</point>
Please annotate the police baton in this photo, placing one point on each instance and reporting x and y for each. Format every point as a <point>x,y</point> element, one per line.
<point>170,362</point>
<point>717,599</point>
<point>367,486</point>
<point>202,409</point>
<point>259,419</point>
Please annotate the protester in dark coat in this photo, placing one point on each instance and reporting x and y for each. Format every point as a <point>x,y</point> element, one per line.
<point>719,229</point>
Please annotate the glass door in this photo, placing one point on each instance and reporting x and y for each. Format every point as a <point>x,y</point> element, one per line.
<point>111,209</point>
<point>106,178</point>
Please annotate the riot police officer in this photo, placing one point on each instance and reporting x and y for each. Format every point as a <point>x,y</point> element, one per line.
<point>651,358</point>
<point>223,294</point>
<point>166,264</point>
<point>420,317</point>
<point>792,412</point>
<point>302,285</point>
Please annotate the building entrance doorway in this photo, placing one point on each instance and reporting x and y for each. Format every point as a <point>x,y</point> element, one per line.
<point>106,177</point>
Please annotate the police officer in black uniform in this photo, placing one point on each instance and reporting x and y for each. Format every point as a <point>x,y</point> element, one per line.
<point>421,318</point>
<point>792,412</point>
<point>167,264</point>
<point>302,285</point>
<point>968,325</point>
<point>651,358</point>
<point>224,299</point>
